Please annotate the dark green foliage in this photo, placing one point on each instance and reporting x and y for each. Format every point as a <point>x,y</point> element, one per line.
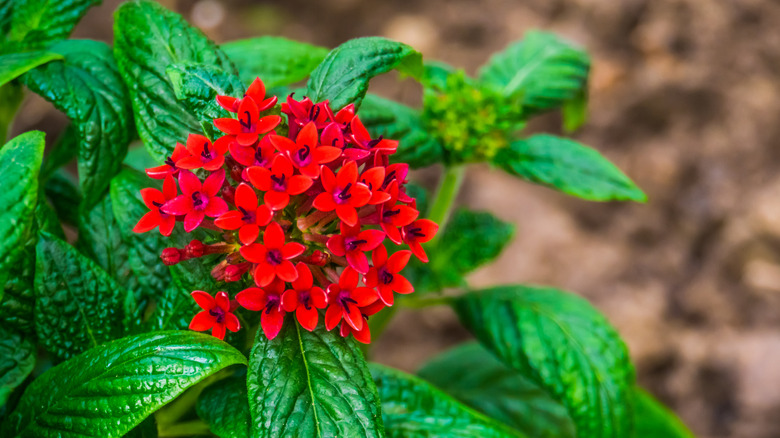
<point>36,23</point>
<point>654,420</point>
<point>17,360</point>
<point>275,60</point>
<point>62,190</point>
<point>17,64</point>
<point>224,407</point>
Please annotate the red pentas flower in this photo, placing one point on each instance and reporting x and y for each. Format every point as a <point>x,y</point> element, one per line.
<point>290,219</point>
<point>217,314</point>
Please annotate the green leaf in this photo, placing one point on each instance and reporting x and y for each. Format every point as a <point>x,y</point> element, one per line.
<point>476,378</point>
<point>435,75</point>
<point>88,89</point>
<point>143,250</point>
<point>77,305</point>
<point>275,60</point>
<point>342,78</point>
<point>17,360</point>
<point>197,87</point>
<point>654,420</point>
<point>575,111</point>
<point>20,162</point>
<point>35,23</point>
<point>6,11</point>
<point>412,407</point>
<point>224,407</point>
<point>63,152</point>
<point>16,64</point>
<point>18,298</point>
<point>139,159</point>
<point>311,384</point>
<point>562,343</point>
<point>147,40</point>
<point>64,195</point>
<point>541,70</point>
<point>47,220</point>
<point>174,309</point>
<point>100,239</point>
<point>110,389</point>
<point>569,167</point>
<point>399,122</point>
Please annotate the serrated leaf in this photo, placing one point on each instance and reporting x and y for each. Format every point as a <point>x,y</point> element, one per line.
<point>86,86</point>
<point>35,23</point>
<point>173,310</point>
<point>16,64</point>
<point>147,39</point>
<point>108,390</point>
<point>396,121</point>
<point>65,196</point>
<point>476,378</point>
<point>562,343</point>
<point>20,162</point>
<point>224,407</point>
<point>46,219</point>
<point>654,420</point>
<point>17,360</point>
<point>412,407</point>
<point>143,250</point>
<point>18,298</point>
<point>100,239</point>
<point>77,304</point>
<point>197,87</point>
<point>541,70</point>
<point>311,384</point>
<point>342,78</point>
<point>275,60</point>
<point>569,167</point>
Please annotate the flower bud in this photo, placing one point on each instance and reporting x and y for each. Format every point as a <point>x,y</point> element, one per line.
<point>318,258</point>
<point>170,256</point>
<point>195,249</point>
<point>233,273</point>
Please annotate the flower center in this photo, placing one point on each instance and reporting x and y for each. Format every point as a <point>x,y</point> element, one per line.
<point>305,299</point>
<point>344,194</point>
<point>218,313</point>
<point>248,216</point>
<point>274,257</point>
<point>353,244</point>
<point>314,112</point>
<point>206,154</point>
<point>170,162</point>
<point>272,303</point>
<point>416,232</point>
<point>372,143</point>
<point>246,121</point>
<point>388,215</point>
<point>303,155</point>
<point>385,277</point>
<point>279,183</point>
<point>199,200</point>
<point>344,299</point>
<point>388,179</point>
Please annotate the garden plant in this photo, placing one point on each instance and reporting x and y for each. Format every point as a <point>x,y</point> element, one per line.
<point>247,224</point>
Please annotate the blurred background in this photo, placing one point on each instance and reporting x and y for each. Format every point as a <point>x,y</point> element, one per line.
<point>684,98</point>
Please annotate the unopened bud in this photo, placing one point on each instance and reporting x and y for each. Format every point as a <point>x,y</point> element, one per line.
<point>233,273</point>
<point>229,194</point>
<point>170,256</point>
<point>195,249</point>
<point>319,258</point>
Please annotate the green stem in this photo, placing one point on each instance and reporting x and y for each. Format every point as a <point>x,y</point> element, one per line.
<point>449,186</point>
<point>187,429</point>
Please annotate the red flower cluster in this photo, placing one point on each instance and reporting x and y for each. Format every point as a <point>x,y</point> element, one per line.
<point>296,215</point>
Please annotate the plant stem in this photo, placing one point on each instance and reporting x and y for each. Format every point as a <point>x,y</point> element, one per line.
<point>449,186</point>
<point>187,429</point>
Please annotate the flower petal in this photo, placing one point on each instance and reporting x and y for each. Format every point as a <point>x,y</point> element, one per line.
<point>230,220</point>
<point>272,323</point>
<point>213,183</point>
<point>286,271</point>
<point>188,182</point>
<point>252,298</point>
<point>179,205</point>
<point>307,317</point>
<point>204,299</point>
<point>248,234</point>
<point>202,321</point>
<point>193,219</point>
<point>216,207</point>
<point>298,184</point>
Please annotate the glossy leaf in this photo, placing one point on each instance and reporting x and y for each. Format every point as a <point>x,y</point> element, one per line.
<point>276,60</point>
<point>147,40</point>
<point>63,152</point>
<point>100,239</point>
<point>109,390</point>
<point>224,407</point>
<point>143,250</point>
<point>342,78</point>
<point>476,378</point>
<point>311,384</point>
<point>77,305</point>
<point>541,70</point>
<point>173,310</point>
<point>35,23</point>
<point>564,345</point>
<point>46,219</point>
<point>62,190</point>
<point>390,119</point>
<point>20,162</point>
<point>654,420</point>
<point>16,64</point>
<point>17,360</point>
<point>412,407</point>
<point>18,298</point>
<point>87,87</point>
<point>569,167</point>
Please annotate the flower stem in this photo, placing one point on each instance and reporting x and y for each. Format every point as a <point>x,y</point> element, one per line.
<point>449,186</point>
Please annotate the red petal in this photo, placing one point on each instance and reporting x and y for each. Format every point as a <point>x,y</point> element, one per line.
<point>218,331</point>
<point>252,298</point>
<point>290,300</point>
<point>248,234</point>
<point>359,131</point>
<point>274,236</point>
<point>318,297</point>
<point>267,124</point>
<point>332,136</point>
<point>292,249</point>
<point>272,323</point>
<point>358,261</point>
<point>179,205</point>
<point>347,175</point>
<point>364,296</point>
<point>307,317</point>
<point>247,139</point>
<point>263,215</point>
<point>282,143</point>
<point>264,274</point>
<point>227,102</point>
<point>379,256</point>
<point>397,261</point>
<point>230,220</point>
<point>255,253</point>
<point>193,219</point>
<point>371,279</point>
<point>373,178</point>
<point>228,126</point>
<point>260,177</point>
<point>332,316</point>
<point>216,207</point>
<point>298,184</point>
<point>336,245</point>
<point>401,285</point>
<point>204,300</point>
<point>213,183</point>
<point>305,279</point>
<point>196,144</point>
<point>159,172</point>
<point>360,195</point>
<point>167,224</point>
<point>223,301</point>
<point>386,295</point>
<point>418,250</point>
<point>214,164</point>
<point>348,214</point>
<point>189,163</point>
<point>222,144</point>
<point>406,215</point>
<point>363,336</point>
<point>256,90</point>
<point>202,321</point>
<point>150,196</point>
<point>188,182</point>
<point>169,188</point>
<point>373,239</point>
<point>147,222</point>
<point>286,271</point>
<point>392,233</point>
<point>232,323</point>
<point>348,279</point>
<point>326,154</point>
<point>324,202</point>
<point>328,179</point>
<point>353,317</point>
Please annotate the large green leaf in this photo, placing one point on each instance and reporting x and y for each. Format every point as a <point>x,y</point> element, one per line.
<point>275,60</point>
<point>108,390</point>
<point>563,344</point>
<point>475,377</point>
<point>541,70</point>
<point>18,297</point>
<point>414,408</point>
<point>62,190</point>
<point>35,23</point>
<point>17,360</point>
<point>224,407</point>
<point>87,87</point>
<point>342,78</point>
<point>654,420</point>
<point>147,40</point>
<point>569,167</point>
<point>20,162</point>
<point>100,239</point>
<point>77,304</point>
<point>311,384</point>
<point>64,151</point>
<point>173,310</point>
<point>396,121</point>
<point>16,64</point>
<point>143,250</point>
<point>197,87</point>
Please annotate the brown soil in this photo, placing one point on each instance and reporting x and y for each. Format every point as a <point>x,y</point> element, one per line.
<point>684,99</point>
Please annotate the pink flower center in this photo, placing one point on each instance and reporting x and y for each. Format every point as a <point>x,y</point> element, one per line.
<point>206,155</point>
<point>342,196</point>
<point>384,276</point>
<point>274,257</point>
<point>304,297</point>
<point>272,303</point>
<point>344,299</point>
<point>246,122</point>
<point>218,314</point>
<point>352,243</point>
<point>199,201</point>
<point>248,217</point>
<point>303,156</point>
<point>280,183</point>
